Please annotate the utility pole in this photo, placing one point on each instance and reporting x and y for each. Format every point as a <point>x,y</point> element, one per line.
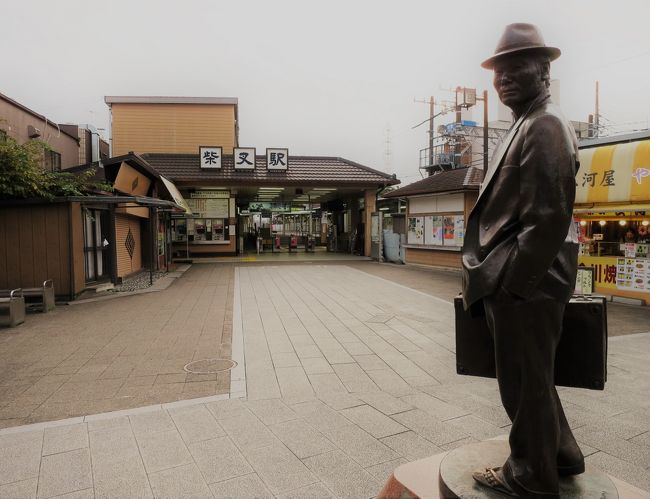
<point>387,151</point>
<point>431,116</point>
<point>485,130</point>
<point>597,115</point>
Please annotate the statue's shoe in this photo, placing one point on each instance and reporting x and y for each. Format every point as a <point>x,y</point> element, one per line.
<point>493,479</point>
<point>570,460</point>
<point>571,469</point>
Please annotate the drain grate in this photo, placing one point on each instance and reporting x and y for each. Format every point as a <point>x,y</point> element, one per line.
<point>209,366</point>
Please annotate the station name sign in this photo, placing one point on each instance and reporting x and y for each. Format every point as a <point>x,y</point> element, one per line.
<point>243,158</point>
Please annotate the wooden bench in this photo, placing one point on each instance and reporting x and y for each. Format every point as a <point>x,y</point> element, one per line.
<point>42,297</point>
<point>12,308</point>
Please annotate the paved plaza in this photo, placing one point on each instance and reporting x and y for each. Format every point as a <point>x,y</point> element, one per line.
<point>345,370</point>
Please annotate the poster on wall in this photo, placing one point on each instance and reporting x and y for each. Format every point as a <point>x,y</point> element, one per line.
<point>415,230</point>
<point>448,228</point>
<point>459,230</point>
<point>433,230</point>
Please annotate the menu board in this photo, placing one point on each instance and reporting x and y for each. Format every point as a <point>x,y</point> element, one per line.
<point>584,281</point>
<point>633,274</point>
<point>209,207</point>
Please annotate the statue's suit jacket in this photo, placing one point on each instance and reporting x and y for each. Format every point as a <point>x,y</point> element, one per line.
<point>520,235</point>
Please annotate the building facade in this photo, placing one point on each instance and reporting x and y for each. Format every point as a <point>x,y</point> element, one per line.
<point>237,195</point>
<point>22,124</point>
<point>177,125</point>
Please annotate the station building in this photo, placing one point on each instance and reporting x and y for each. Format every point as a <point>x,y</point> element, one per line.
<point>238,197</point>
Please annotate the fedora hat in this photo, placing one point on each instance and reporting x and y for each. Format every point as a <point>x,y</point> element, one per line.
<point>521,37</point>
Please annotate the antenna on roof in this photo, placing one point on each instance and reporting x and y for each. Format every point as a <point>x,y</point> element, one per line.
<point>388,163</point>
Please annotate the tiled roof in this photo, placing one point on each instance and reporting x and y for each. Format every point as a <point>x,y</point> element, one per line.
<point>459,179</point>
<point>302,170</point>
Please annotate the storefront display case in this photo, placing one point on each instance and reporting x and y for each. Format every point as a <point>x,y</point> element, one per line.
<point>617,247</point>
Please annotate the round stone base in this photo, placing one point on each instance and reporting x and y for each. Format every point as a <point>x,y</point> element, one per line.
<point>456,468</point>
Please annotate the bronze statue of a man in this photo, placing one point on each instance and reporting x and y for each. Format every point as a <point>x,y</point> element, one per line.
<point>519,264</point>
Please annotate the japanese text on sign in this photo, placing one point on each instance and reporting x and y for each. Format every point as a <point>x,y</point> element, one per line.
<point>244,158</point>
<point>210,156</point>
<point>277,159</point>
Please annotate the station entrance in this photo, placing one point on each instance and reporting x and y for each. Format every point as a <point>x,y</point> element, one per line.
<point>309,220</point>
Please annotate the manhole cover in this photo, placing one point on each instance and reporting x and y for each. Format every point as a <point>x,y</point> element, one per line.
<point>209,366</point>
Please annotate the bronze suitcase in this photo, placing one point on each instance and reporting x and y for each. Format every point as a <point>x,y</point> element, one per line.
<point>581,357</point>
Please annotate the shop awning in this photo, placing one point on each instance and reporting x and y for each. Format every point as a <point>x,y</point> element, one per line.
<point>176,195</point>
<point>617,173</point>
<point>598,209</point>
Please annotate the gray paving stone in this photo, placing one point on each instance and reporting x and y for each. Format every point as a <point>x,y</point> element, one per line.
<point>326,383</point>
<point>390,382</point>
<point>225,409</point>
<point>429,427</point>
<point>373,421</point>
<point>118,470</point>
<point>343,476</point>
<point>643,439</point>
<point>314,491</point>
<point>279,468</point>
<point>271,411</point>
<point>340,401</point>
<point>163,450</point>
<point>108,423</point>
<point>33,437</point>
<point>357,348</point>
<point>20,461</point>
<point>302,439</point>
<point>151,422</point>
<point>65,438</point>
<point>247,431</point>
<point>25,489</point>
<point>316,365</point>
<point>370,362</point>
<point>613,445</point>
<point>354,378</point>
<point>476,427</point>
<point>196,423</point>
<point>243,487</point>
<point>383,471</point>
<point>64,473</point>
<point>358,444</point>
<point>385,403</point>
<point>624,470</point>
<point>323,419</point>
<point>218,459</point>
<point>286,359</point>
<point>458,443</point>
<point>308,351</point>
<point>79,494</point>
<point>262,384</point>
<point>120,478</point>
<point>411,445</point>
<point>293,382</point>
<point>184,482</point>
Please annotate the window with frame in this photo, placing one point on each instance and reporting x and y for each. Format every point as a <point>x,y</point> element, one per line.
<point>52,161</point>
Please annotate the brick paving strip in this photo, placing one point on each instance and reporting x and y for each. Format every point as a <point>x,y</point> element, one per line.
<point>347,375</point>
<point>121,353</point>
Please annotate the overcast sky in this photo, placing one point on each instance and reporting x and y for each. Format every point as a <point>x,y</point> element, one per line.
<point>319,77</point>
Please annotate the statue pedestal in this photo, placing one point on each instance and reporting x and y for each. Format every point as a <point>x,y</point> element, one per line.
<point>449,475</point>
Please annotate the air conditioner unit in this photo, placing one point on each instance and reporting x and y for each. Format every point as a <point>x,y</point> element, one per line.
<point>33,132</point>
